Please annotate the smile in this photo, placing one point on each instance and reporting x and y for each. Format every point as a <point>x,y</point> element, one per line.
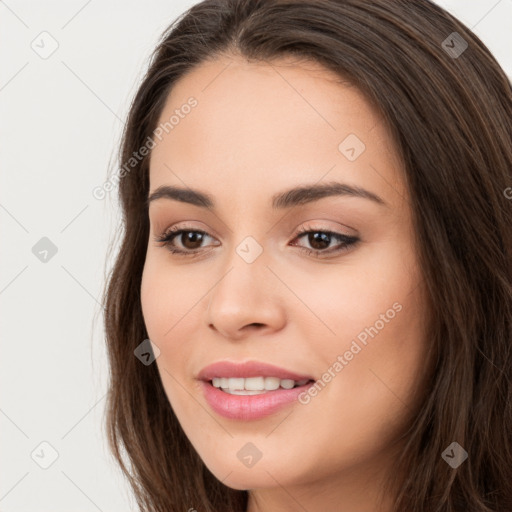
<point>250,390</point>
<point>254,385</point>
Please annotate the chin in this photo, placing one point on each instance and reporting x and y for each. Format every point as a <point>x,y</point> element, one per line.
<point>242,478</point>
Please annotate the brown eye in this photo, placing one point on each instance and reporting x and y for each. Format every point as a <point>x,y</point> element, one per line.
<point>320,240</point>
<point>190,241</point>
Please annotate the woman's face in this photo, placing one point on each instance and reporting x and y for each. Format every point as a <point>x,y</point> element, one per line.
<point>351,316</point>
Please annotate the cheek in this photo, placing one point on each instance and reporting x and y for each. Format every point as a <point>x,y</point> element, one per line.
<point>367,398</point>
<point>172,315</point>
<point>372,312</point>
<point>368,293</point>
<point>167,297</point>
<point>381,323</point>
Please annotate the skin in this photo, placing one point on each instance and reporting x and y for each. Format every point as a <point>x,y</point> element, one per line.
<point>258,129</point>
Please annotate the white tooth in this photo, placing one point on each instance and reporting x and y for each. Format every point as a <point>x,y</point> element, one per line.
<point>254,383</point>
<point>272,383</point>
<point>244,392</point>
<point>287,383</point>
<point>236,383</point>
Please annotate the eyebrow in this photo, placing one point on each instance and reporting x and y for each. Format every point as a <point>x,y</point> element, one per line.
<point>294,197</point>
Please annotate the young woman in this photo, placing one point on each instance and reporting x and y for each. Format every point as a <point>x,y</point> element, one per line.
<point>311,306</point>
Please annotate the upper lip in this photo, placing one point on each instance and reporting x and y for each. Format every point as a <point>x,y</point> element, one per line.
<point>247,369</point>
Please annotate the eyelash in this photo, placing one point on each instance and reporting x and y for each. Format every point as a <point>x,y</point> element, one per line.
<point>347,241</point>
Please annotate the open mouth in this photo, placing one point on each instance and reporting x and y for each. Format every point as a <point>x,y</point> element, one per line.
<point>255,385</point>
<point>251,398</point>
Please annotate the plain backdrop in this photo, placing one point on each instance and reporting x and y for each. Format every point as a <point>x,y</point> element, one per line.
<point>60,121</point>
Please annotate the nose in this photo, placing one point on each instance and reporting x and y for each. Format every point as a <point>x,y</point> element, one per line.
<point>247,298</point>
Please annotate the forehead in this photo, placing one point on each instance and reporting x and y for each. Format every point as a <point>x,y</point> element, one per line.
<point>265,126</point>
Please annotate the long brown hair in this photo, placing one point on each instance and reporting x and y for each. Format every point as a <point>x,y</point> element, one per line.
<point>449,110</point>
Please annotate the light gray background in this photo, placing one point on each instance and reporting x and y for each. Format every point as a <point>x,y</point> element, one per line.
<point>60,121</point>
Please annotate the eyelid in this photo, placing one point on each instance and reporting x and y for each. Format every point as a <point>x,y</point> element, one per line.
<point>303,227</point>
<point>321,225</point>
<point>346,241</point>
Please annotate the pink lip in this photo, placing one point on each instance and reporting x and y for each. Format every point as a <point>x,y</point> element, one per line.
<point>247,369</point>
<point>249,407</point>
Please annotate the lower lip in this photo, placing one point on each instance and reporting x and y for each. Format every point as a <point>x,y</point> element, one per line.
<point>250,407</point>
